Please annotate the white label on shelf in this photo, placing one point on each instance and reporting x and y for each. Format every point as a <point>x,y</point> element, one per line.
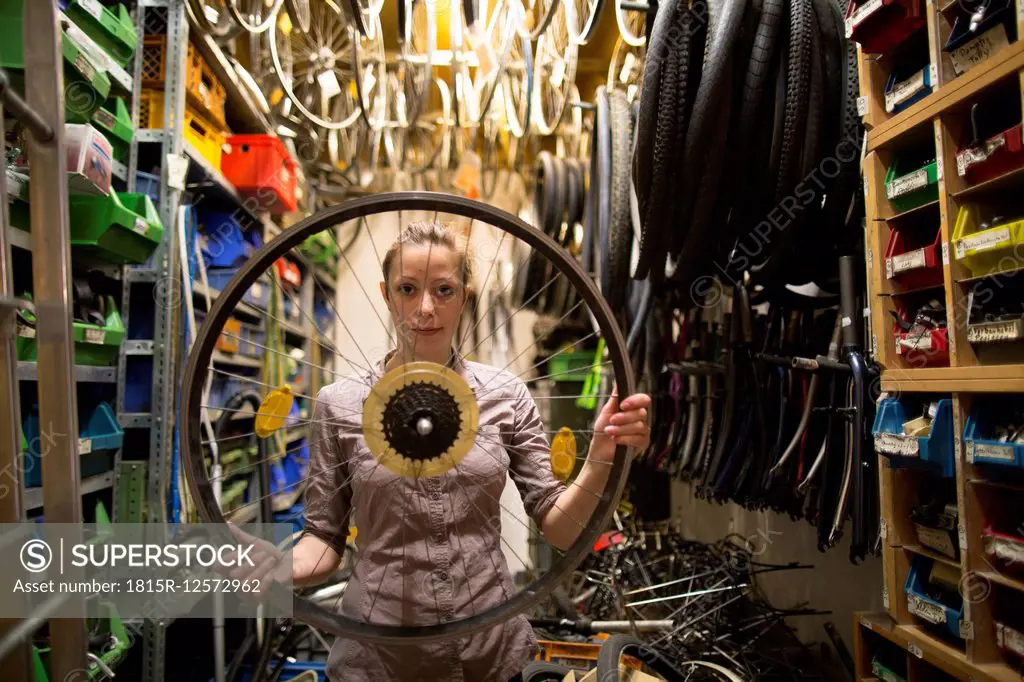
<point>961,536</point>
<point>938,168</point>
<point>920,341</point>
<point>1003,453</point>
<point>1006,550</point>
<point>256,290</point>
<point>888,268</point>
<point>983,241</point>
<point>966,629</point>
<point>177,171</point>
<point>849,28</point>
<point>933,73</point>
<point>896,444</point>
<point>874,345</point>
<point>904,90</point>
<point>885,597</point>
<point>926,610</point>
<point>1010,639</point>
<point>141,226</point>
<point>908,261</point>
<point>870,257</point>
<point>916,650</point>
<point>329,86</point>
<point>83,64</point>
<point>936,539</point>
<point>27,332</point>
<point>92,7</point>
<point>84,446</point>
<point>995,332</point>
<point>105,119</point>
<point>883,528</point>
<point>862,106</point>
<point>907,183</point>
<point>862,13</point>
<point>95,335</point>
<point>974,52</point>
<point>628,62</point>
<point>945,253</point>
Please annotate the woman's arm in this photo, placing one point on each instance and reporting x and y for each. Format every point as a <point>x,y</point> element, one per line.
<point>313,561</point>
<point>624,424</point>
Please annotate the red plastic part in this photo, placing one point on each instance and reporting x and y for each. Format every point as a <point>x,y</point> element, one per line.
<point>260,167</point>
<point>288,272</point>
<point>911,267</point>
<point>1013,539</point>
<point>1002,160</point>
<point>928,349</point>
<point>881,25</point>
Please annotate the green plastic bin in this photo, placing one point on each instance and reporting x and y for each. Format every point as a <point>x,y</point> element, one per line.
<point>94,345</point>
<point>884,673</point>
<point>115,121</point>
<point>112,29</point>
<point>911,183</point>
<point>566,366</point>
<point>120,228</point>
<point>322,249</point>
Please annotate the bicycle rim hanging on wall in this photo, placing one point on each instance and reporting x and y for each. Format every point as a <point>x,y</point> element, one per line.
<point>347,346</point>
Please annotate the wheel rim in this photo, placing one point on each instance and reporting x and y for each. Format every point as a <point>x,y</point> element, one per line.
<point>256,18</point>
<point>555,66</point>
<point>224,306</point>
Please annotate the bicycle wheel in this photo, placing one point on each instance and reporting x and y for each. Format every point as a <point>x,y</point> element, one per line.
<point>365,16</point>
<point>254,15</point>
<point>417,39</point>
<point>624,652</point>
<point>317,67</point>
<point>448,478</point>
<point>212,17</point>
<point>631,25</point>
<point>300,15</point>
<point>582,19</point>
<point>534,17</point>
<point>555,68</point>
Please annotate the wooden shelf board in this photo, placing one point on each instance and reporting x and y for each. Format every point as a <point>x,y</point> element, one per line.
<point>933,650</point>
<point>999,672</point>
<point>1005,485</point>
<point>933,555</point>
<point>999,182</point>
<point>911,292</point>
<point>917,209</point>
<point>1004,273</point>
<point>978,379</point>
<point>1004,64</point>
<point>1004,580</point>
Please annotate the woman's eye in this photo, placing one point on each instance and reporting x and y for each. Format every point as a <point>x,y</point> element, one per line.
<point>405,289</point>
<point>445,291</point>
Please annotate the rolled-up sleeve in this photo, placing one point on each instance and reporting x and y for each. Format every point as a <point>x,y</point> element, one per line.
<point>529,457</point>
<point>327,503</point>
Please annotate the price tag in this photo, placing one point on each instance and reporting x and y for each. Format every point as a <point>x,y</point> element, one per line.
<point>907,183</point>
<point>926,610</point>
<point>870,257</point>
<point>141,226</point>
<point>104,118</point>
<point>916,650</point>
<point>908,261</point>
<point>983,241</point>
<point>26,332</point>
<point>945,253</point>
<point>92,7</point>
<point>849,28</point>
<point>95,335</point>
<point>976,51</point>
<point>84,446</point>
<point>1006,550</point>
<point>966,629</point>
<point>177,171</point>
<point>862,105</point>
<point>999,453</point>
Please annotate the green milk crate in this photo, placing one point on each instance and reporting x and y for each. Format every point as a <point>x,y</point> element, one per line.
<point>120,228</point>
<point>111,28</point>
<point>94,345</point>
<point>910,183</point>
<point>114,120</point>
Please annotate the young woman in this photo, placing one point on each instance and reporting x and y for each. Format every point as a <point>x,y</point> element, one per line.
<point>430,548</point>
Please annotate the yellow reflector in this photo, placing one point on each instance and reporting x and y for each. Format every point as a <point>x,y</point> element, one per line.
<point>274,410</point>
<point>563,454</point>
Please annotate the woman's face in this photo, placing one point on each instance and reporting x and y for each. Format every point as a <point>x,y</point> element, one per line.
<point>425,295</point>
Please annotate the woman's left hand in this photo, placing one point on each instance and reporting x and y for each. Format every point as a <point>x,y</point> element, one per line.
<point>622,423</point>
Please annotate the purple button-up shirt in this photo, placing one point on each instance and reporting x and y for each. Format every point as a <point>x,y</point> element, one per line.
<point>429,550</point>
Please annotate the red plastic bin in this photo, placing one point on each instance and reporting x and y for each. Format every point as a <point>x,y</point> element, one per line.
<point>880,25</point>
<point>997,155</point>
<point>260,167</point>
<point>927,349</point>
<point>911,264</point>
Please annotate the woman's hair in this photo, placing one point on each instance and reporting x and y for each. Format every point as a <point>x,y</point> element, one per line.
<point>437,234</point>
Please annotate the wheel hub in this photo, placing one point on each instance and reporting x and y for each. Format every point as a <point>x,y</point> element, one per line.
<point>421,421</point>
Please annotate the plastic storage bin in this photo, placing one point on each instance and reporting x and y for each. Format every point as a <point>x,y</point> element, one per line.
<point>94,345</point>
<point>115,121</point>
<point>111,28</point>
<point>224,243</point>
<point>203,90</point>
<point>881,25</point>
<point>946,616</point>
<point>932,346</point>
<point>912,262</point>
<point>1003,548</point>
<point>567,366</point>
<point>1010,639</point>
<point>967,48</point>
<point>997,248</point>
<point>910,184</point>
<point>258,294</point>
<point>119,228</point>
<point>980,446</point>
<point>999,154</point>
<point>904,89</point>
<point>201,132</point>
<point>148,184</point>
<point>933,452</point>
<point>260,167</point>
<point>98,432</point>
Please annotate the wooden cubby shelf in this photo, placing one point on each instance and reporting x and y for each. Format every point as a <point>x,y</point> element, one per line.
<point>934,202</point>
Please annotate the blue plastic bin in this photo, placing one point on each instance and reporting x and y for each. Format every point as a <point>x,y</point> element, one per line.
<point>933,452</point>
<point>983,450</point>
<point>925,608</point>
<point>258,294</point>
<point>225,243</point>
<point>98,434</point>
<point>148,184</point>
<point>919,83</point>
<point>224,388</point>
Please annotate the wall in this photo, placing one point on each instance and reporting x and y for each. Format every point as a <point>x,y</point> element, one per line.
<point>834,584</point>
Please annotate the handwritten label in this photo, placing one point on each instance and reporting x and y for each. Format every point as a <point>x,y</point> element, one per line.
<point>995,332</point>
<point>961,536</point>
<point>987,451</point>
<point>896,444</point>
<point>904,90</point>
<point>84,446</point>
<point>926,610</point>
<point>907,183</point>
<point>95,335</point>
<point>860,14</point>
<point>92,7</point>
<point>976,51</point>
<point>26,332</point>
<point>105,119</point>
<point>936,539</point>
<point>921,341</point>
<point>85,67</point>
<point>975,155</point>
<point>908,261</point>
<point>945,253</point>
<point>140,226</point>
<point>983,241</point>
<point>1006,550</point>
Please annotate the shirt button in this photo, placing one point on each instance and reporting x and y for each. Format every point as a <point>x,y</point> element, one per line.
<point>443,575</point>
<point>436,495</point>
<point>438,538</point>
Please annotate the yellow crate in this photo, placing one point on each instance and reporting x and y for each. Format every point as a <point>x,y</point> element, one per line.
<point>207,138</point>
<point>986,252</point>
<point>204,91</point>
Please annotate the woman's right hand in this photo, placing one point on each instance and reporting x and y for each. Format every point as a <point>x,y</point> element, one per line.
<point>270,563</point>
